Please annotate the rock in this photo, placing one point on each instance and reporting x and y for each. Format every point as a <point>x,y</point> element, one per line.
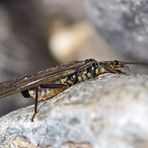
<point>110,111</point>
<point>123,24</point>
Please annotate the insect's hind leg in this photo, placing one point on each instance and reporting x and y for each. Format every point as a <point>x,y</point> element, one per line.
<point>36,104</point>
<point>53,86</point>
<point>36,95</point>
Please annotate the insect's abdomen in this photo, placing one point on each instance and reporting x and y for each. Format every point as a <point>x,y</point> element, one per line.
<point>43,93</point>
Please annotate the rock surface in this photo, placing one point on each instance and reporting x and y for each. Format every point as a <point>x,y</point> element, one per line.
<point>110,111</point>
<point>123,23</point>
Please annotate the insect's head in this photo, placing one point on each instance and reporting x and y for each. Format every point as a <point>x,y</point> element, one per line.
<point>117,65</point>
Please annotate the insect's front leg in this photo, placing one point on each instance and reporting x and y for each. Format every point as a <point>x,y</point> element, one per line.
<point>114,70</point>
<point>51,86</point>
<point>110,69</point>
<point>120,72</point>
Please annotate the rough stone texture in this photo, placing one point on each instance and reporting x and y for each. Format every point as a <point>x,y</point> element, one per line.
<point>124,25</point>
<point>110,111</point>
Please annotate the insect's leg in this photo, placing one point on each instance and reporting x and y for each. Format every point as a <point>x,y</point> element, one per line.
<point>36,95</point>
<point>120,72</point>
<point>115,71</point>
<point>53,86</point>
<point>111,70</point>
<point>36,104</point>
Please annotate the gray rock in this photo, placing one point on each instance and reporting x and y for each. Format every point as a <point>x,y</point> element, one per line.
<point>124,25</point>
<point>110,111</point>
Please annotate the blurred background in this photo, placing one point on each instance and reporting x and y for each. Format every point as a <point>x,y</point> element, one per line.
<point>38,34</point>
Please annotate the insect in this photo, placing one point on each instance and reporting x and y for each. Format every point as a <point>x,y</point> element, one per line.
<point>48,83</point>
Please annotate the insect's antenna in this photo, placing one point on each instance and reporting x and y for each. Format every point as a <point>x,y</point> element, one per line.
<point>136,63</point>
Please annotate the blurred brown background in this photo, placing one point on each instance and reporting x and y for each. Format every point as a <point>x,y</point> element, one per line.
<point>37,34</point>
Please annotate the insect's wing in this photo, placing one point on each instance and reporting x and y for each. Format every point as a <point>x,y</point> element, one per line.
<point>42,77</point>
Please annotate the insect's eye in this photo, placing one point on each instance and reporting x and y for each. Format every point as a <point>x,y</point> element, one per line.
<point>116,62</point>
